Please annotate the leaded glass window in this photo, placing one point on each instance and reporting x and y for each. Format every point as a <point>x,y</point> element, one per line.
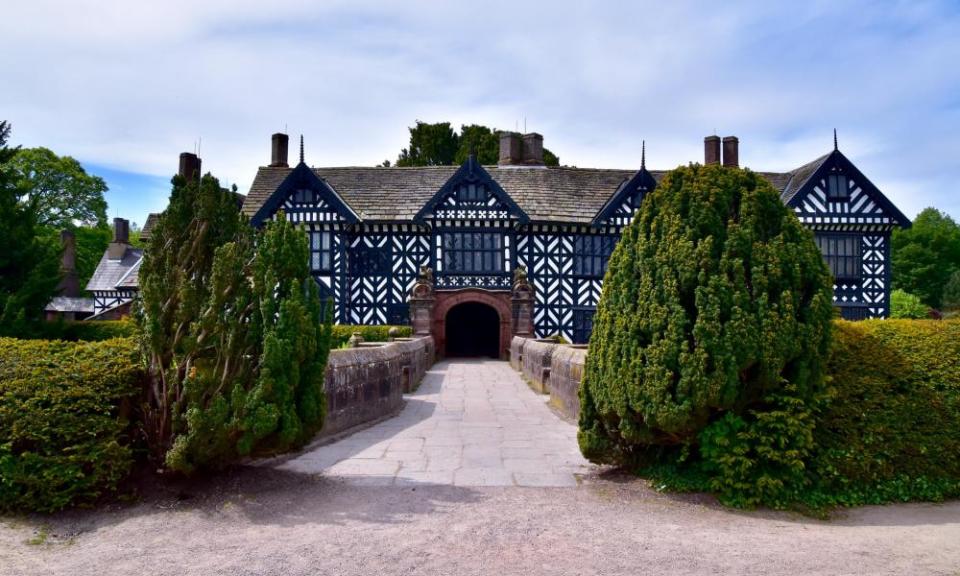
<point>590,255</point>
<point>842,254</point>
<point>473,252</point>
<point>321,251</point>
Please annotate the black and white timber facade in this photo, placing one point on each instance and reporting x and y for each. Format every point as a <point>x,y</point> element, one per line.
<point>372,229</point>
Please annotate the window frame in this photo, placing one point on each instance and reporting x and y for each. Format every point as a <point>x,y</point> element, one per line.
<point>838,187</point>
<point>843,257</point>
<point>321,254</point>
<point>488,246</point>
<point>591,255</point>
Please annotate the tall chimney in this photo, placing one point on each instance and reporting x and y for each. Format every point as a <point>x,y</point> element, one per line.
<point>731,151</point>
<point>533,149</point>
<point>69,280</point>
<point>511,149</point>
<point>278,150</point>
<point>189,165</point>
<point>711,150</point>
<point>121,239</point>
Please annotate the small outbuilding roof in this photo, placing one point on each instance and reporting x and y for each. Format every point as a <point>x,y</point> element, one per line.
<point>113,274</point>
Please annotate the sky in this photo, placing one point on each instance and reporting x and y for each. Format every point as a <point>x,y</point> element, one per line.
<point>125,86</point>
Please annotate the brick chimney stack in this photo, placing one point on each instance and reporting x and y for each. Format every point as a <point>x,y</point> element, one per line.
<point>533,149</point>
<point>511,149</point>
<point>731,151</point>
<point>69,279</point>
<point>189,166</point>
<point>280,144</point>
<point>121,239</point>
<point>711,150</point>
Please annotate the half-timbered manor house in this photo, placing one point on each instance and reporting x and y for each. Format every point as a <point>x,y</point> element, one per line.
<point>374,230</point>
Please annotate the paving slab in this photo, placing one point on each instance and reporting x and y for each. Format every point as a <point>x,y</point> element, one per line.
<point>471,423</point>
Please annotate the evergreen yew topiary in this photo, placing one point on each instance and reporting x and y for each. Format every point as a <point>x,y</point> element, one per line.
<point>710,337</point>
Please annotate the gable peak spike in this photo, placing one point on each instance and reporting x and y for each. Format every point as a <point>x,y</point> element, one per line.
<point>301,148</point>
<point>835,147</point>
<point>643,154</point>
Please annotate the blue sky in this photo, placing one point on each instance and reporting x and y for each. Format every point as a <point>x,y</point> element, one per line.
<point>126,86</point>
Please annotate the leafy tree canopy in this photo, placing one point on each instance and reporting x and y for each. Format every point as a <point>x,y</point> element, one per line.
<point>29,262</point>
<point>926,255</point>
<point>440,145</point>
<point>57,189</point>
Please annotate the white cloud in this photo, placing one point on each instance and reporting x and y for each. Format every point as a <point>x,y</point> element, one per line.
<point>131,84</point>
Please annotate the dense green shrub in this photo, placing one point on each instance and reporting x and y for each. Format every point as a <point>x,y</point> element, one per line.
<point>906,305</point>
<point>891,431</point>
<point>343,332</point>
<point>710,337</point>
<point>88,331</point>
<point>63,430</point>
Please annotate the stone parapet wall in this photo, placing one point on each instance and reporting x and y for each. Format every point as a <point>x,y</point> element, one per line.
<point>551,368</point>
<point>367,383</point>
<point>566,373</point>
<point>516,352</point>
<point>536,363</point>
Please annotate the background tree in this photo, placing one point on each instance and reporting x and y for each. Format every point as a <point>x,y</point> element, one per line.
<point>710,337</point>
<point>58,190</point>
<point>439,145</point>
<point>430,145</point>
<point>951,293</point>
<point>29,262</point>
<point>926,255</point>
<point>92,241</point>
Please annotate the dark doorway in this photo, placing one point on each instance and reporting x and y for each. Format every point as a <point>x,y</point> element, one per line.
<point>472,329</point>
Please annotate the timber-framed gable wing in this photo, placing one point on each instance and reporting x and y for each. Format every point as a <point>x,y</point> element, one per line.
<point>832,193</point>
<point>305,197</point>
<point>471,194</point>
<point>625,202</point>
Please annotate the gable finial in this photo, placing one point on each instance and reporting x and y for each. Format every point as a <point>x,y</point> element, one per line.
<point>301,148</point>
<point>643,154</point>
<point>835,148</point>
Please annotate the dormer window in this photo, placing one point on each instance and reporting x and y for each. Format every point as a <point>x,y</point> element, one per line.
<point>837,188</point>
<point>304,196</point>
<point>472,193</point>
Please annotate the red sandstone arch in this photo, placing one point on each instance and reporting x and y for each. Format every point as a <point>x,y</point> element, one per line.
<point>447,299</point>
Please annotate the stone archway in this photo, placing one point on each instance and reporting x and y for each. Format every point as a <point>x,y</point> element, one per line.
<point>446,300</point>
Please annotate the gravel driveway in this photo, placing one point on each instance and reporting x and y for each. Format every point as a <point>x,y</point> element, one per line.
<point>306,516</point>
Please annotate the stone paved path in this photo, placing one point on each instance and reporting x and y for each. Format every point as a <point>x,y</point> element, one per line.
<point>471,423</point>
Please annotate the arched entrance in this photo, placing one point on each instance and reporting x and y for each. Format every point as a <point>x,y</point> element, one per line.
<point>496,301</point>
<point>472,329</point>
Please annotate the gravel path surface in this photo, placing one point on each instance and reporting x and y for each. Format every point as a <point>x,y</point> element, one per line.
<point>278,520</point>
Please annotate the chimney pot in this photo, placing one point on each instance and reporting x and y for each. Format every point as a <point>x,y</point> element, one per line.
<point>189,165</point>
<point>279,147</point>
<point>731,151</point>
<point>711,150</point>
<point>533,149</point>
<point>511,148</point>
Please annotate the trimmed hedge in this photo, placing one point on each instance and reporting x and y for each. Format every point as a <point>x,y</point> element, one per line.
<point>63,429</point>
<point>88,331</point>
<point>891,431</point>
<point>343,332</point>
<point>888,429</point>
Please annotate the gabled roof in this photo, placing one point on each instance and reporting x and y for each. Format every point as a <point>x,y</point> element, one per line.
<point>808,175</point>
<point>148,226</point>
<point>545,194</point>
<point>641,183</point>
<point>298,178</point>
<point>110,274</point>
<point>471,172</point>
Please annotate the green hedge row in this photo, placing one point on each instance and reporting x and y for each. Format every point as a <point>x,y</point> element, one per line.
<point>343,332</point>
<point>891,429</point>
<point>64,432</point>
<point>90,331</point>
